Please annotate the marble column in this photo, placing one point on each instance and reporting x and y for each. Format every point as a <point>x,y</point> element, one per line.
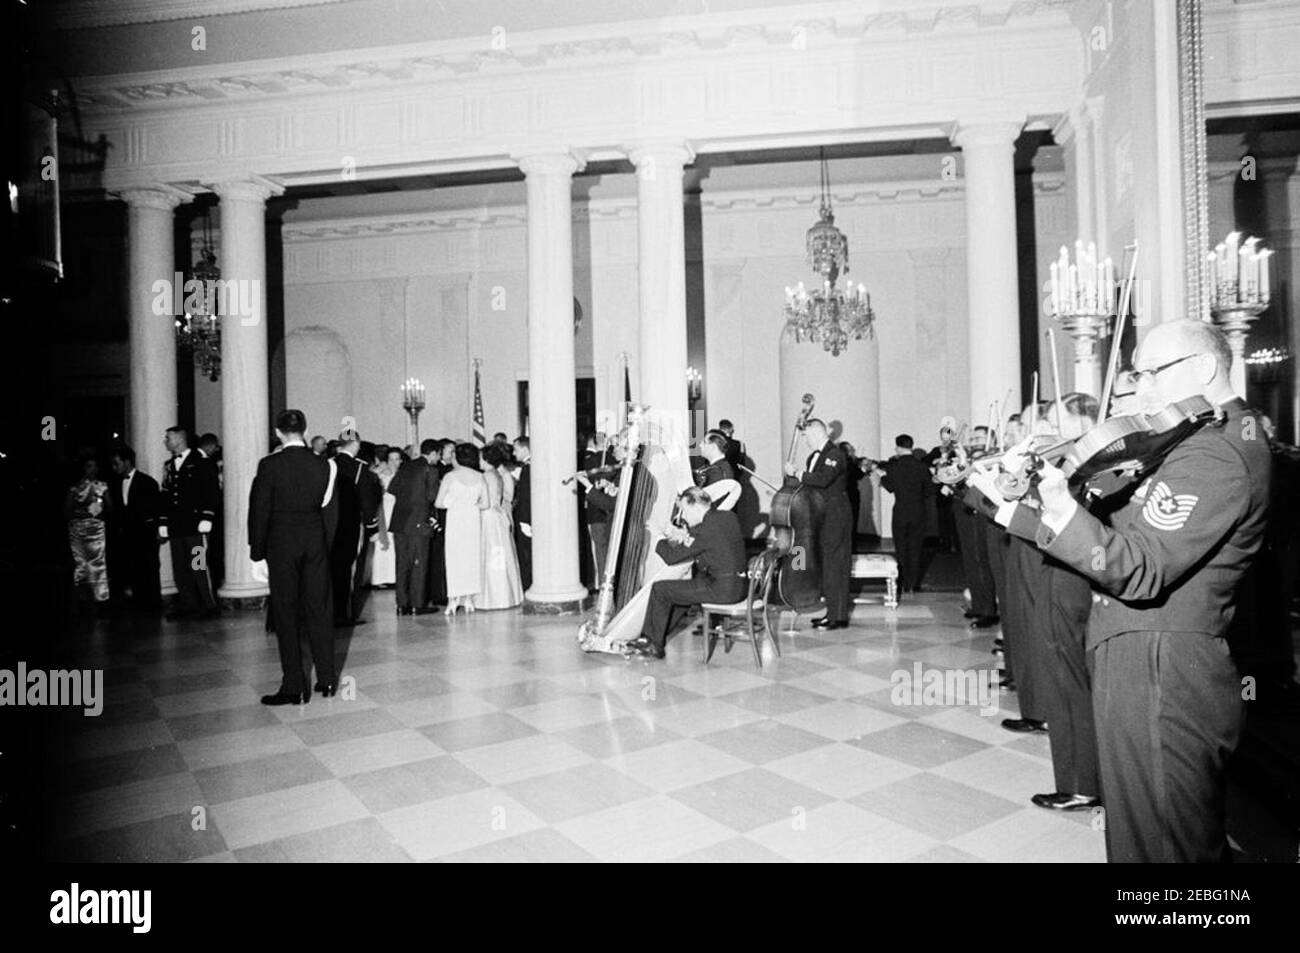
<point>245,381</point>
<point>991,270</point>
<point>661,247</point>
<point>552,406</point>
<point>151,260</point>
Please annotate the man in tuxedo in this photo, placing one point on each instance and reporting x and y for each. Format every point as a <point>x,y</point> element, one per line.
<point>713,541</point>
<point>908,478</point>
<point>190,497</point>
<point>827,470</point>
<point>358,494</point>
<point>133,556</point>
<point>443,462</point>
<point>289,517</point>
<point>524,512</point>
<point>415,488</point>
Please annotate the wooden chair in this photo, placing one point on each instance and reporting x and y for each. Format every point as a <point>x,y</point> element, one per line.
<point>760,575</point>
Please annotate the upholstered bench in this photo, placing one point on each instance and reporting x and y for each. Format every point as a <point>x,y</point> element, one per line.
<point>878,566</point>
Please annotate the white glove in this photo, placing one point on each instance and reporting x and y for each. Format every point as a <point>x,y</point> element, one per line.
<point>260,571</point>
<point>526,529</point>
<point>162,532</point>
<point>205,527</point>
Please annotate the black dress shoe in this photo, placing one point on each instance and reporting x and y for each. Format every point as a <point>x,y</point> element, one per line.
<point>1060,801</point>
<point>998,642</point>
<point>648,651</point>
<point>286,698</point>
<point>821,623</point>
<point>984,622</point>
<point>1025,725</point>
<point>426,610</point>
<point>970,614</point>
<point>327,689</point>
<point>639,643</point>
<point>405,610</point>
<point>831,626</point>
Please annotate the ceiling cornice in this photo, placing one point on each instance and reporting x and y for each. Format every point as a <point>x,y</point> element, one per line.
<point>89,14</point>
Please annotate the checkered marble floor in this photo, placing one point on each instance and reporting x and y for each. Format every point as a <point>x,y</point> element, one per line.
<point>493,738</point>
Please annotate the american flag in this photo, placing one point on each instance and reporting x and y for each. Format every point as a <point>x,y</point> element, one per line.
<point>480,426</point>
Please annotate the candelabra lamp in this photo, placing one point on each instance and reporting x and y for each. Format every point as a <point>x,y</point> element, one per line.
<point>1239,294</point>
<point>1083,300</point>
<point>694,391</point>
<point>413,403</point>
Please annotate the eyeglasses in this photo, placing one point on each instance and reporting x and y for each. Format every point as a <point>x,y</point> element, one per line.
<point>1134,377</point>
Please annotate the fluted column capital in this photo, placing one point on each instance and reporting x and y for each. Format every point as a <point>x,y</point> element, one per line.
<point>557,161</point>
<point>162,197</point>
<point>976,133</point>
<point>248,188</point>
<point>672,152</point>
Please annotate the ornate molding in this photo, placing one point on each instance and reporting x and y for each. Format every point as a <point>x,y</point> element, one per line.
<point>87,14</point>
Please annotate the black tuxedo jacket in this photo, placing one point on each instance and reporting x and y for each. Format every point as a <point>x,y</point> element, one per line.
<point>138,517</point>
<point>286,506</point>
<point>524,495</point>
<point>359,495</point>
<point>415,488</point>
<point>908,478</point>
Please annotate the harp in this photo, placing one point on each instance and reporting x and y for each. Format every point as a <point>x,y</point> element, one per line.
<point>655,469</point>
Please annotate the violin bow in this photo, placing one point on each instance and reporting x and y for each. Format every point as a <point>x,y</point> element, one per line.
<point>1033,403</point>
<point>1120,318</point>
<point>1056,375</point>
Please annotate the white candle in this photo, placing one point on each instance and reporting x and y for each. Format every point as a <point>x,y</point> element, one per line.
<point>1264,256</point>
<point>1230,256</point>
<point>1056,301</point>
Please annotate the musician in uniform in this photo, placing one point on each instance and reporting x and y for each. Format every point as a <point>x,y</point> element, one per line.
<point>1166,693</point>
<point>290,526</point>
<point>827,470</point>
<point>717,475</point>
<point>712,540</point>
<point>190,496</point>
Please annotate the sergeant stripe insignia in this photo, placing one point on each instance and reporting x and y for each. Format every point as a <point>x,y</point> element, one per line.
<point>1167,510</point>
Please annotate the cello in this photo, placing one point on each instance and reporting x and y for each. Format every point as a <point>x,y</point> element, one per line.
<point>796,522</point>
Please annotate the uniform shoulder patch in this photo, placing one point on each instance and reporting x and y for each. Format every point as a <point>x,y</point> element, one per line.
<point>831,461</point>
<point>1167,510</point>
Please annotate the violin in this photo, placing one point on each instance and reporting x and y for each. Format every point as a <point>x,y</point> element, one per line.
<point>1116,453</point>
<point>595,473</point>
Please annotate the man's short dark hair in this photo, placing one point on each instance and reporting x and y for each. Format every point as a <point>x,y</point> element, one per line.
<point>521,441</point>
<point>124,453</point>
<point>499,435</point>
<point>183,431</point>
<point>291,421</point>
<point>428,445</point>
<point>724,423</point>
<point>209,438</point>
<point>904,440</point>
<point>494,455</point>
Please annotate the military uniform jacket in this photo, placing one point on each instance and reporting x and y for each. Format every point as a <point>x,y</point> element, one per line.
<point>1174,553</point>
<point>189,495</point>
<point>716,546</point>
<point>828,470</point>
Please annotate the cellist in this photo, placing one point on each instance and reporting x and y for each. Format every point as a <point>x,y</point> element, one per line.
<point>827,470</point>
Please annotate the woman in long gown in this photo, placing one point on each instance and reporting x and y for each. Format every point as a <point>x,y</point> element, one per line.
<point>463,494</point>
<point>501,586</point>
<point>86,509</point>
<point>383,550</point>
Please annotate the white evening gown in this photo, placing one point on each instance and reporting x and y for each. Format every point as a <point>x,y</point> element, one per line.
<point>383,562</point>
<point>462,494</point>
<point>501,585</point>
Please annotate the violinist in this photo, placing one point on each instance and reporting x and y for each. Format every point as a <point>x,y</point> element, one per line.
<point>717,475</point>
<point>827,470</point>
<point>600,481</point>
<point>943,454</point>
<point>971,537</point>
<point>906,476</point>
<point>1044,624</point>
<point>1166,693</point>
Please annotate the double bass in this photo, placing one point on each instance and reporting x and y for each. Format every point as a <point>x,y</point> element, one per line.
<point>796,523</point>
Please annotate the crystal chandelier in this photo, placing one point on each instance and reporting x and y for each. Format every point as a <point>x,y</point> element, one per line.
<point>198,331</point>
<point>828,314</point>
